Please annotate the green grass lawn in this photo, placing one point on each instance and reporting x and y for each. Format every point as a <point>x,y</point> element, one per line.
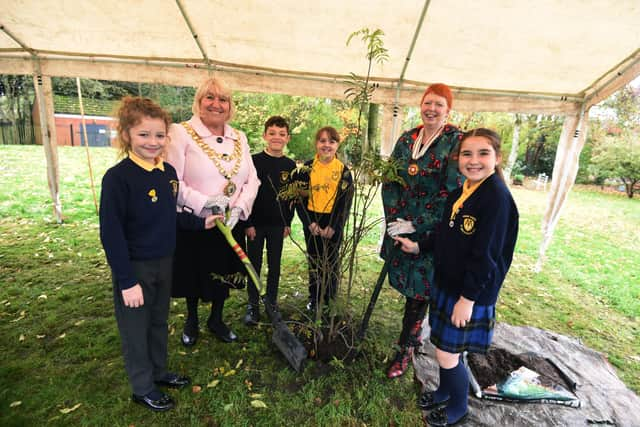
<point>59,347</point>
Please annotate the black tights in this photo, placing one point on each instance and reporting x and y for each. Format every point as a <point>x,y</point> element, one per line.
<point>192,311</point>
<point>414,312</point>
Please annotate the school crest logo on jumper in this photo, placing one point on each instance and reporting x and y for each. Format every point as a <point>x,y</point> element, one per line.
<point>284,176</point>
<point>174,187</point>
<point>153,195</point>
<point>468,225</point>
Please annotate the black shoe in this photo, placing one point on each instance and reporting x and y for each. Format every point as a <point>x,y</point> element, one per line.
<point>173,380</point>
<point>222,332</point>
<point>156,401</point>
<point>253,315</point>
<point>438,418</point>
<point>427,401</point>
<point>189,335</point>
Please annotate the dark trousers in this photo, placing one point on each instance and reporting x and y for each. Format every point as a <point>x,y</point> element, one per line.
<point>324,266</point>
<point>273,236</point>
<point>143,330</point>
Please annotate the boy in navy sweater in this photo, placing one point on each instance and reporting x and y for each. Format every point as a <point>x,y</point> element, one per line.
<point>138,232</point>
<point>270,219</point>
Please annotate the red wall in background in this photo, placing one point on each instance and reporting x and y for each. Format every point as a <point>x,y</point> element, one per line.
<point>68,128</point>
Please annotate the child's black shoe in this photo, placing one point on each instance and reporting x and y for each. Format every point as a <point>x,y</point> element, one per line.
<point>156,401</point>
<point>253,315</point>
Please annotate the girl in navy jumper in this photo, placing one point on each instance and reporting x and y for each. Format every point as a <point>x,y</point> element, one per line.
<point>138,232</point>
<point>473,248</point>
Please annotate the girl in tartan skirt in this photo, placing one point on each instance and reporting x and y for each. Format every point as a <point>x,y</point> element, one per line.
<point>473,248</point>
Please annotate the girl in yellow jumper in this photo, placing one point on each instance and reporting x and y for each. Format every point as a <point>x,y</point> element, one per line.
<point>323,209</point>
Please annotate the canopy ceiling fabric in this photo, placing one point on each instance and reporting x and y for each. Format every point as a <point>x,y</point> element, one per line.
<point>547,56</point>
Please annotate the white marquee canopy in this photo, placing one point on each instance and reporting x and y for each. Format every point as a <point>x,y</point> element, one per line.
<point>549,56</point>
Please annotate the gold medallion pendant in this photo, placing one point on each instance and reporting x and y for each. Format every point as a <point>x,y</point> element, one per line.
<point>413,169</point>
<point>229,189</point>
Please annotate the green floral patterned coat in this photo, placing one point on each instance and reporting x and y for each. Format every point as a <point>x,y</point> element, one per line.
<point>420,201</point>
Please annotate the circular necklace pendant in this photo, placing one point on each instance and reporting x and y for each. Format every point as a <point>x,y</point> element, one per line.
<point>413,169</point>
<point>229,189</point>
<point>450,224</point>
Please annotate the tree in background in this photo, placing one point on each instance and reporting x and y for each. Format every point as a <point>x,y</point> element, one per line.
<point>16,101</point>
<point>625,105</point>
<point>616,151</point>
<point>306,115</point>
<point>619,157</point>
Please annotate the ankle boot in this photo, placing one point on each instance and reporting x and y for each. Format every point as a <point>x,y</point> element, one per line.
<point>415,333</point>
<point>400,362</point>
<point>253,315</point>
<point>190,331</point>
<point>217,326</point>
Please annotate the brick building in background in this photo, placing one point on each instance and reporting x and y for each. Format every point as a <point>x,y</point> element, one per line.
<point>101,126</point>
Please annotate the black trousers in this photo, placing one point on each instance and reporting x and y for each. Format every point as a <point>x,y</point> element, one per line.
<point>143,330</point>
<point>324,266</point>
<point>273,237</point>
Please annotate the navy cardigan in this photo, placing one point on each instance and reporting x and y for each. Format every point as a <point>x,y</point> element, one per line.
<point>472,257</point>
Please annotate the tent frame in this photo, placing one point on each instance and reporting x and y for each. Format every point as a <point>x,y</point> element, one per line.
<point>43,64</point>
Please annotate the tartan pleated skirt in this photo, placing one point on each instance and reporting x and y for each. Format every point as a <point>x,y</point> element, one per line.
<point>475,337</point>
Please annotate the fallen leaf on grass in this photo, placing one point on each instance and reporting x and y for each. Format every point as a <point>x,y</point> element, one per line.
<point>239,363</point>
<point>73,408</point>
<point>43,296</point>
<point>196,389</point>
<point>258,404</point>
<point>227,407</point>
<point>255,396</point>
<point>14,404</point>
<point>229,373</point>
<point>63,335</point>
<point>182,353</point>
<point>40,336</point>
<point>90,298</point>
<point>21,338</point>
<point>79,322</point>
<point>213,383</point>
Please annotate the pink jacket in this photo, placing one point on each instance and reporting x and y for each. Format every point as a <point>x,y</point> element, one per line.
<point>199,178</point>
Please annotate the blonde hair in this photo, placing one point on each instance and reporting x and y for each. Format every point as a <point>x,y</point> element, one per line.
<point>130,113</point>
<point>217,88</point>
